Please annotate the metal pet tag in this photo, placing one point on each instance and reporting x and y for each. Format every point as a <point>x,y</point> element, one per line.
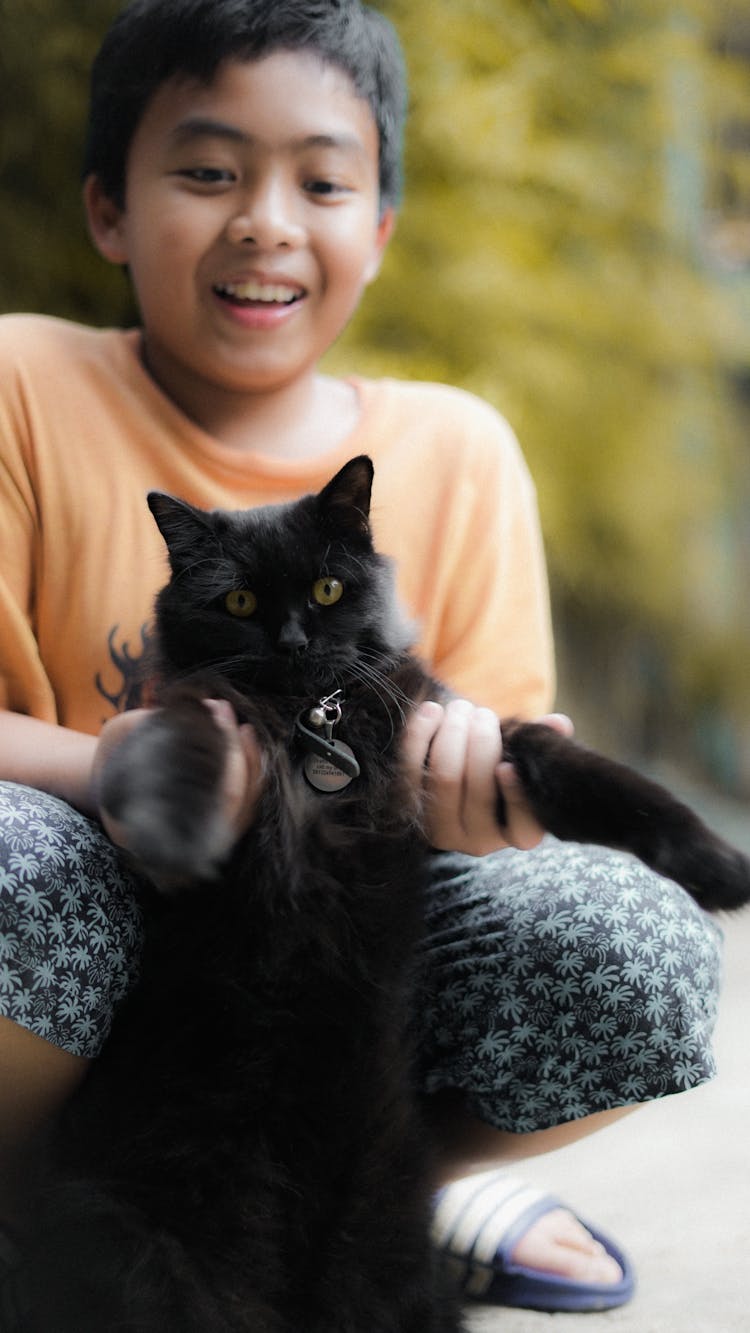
<point>329,765</point>
<point>322,774</point>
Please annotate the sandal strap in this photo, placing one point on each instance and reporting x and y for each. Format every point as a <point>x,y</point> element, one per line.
<point>478,1220</point>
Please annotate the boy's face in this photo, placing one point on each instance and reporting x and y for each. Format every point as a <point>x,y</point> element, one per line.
<point>251,222</point>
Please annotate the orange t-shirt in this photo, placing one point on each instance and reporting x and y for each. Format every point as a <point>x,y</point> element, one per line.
<point>85,433</point>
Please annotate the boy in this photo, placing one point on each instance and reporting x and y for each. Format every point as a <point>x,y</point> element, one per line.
<point>242,162</point>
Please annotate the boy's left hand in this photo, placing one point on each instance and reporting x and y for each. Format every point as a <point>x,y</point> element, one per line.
<point>454,755</point>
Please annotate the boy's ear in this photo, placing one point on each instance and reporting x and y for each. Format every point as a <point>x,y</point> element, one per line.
<point>386,224</point>
<point>105,221</point>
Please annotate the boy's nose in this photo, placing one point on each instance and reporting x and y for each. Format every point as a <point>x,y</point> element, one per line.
<point>266,221</point>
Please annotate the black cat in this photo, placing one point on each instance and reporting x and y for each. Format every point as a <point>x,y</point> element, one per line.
<point>248,1153</point>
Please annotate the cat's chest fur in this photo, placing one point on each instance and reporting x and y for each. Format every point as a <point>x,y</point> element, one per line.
<point>286,976</point>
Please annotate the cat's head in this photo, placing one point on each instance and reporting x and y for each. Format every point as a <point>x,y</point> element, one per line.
<point>287,598</point>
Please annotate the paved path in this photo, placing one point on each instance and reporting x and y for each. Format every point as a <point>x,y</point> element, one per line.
<point>671,1183</point>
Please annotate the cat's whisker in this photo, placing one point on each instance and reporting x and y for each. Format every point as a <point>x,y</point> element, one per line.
<point>366,658</point>
<point>382,689</point>
<point>223,665</point>
<point>361,674</point>
<point>379,670</point>
<point>190,569</point>
<point>358,562</point>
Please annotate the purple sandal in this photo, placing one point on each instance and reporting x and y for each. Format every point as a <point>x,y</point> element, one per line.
<point>477,1223</point>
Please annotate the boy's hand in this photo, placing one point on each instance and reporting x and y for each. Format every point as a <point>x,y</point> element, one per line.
<point>241,778</point>
<point>244,771</point>
<point>454,755</point>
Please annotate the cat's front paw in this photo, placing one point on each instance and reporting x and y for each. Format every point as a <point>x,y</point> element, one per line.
<point>160,795</point>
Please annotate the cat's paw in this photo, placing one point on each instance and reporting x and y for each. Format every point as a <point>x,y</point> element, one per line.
<point>714,873</point>
<point>161,797</point>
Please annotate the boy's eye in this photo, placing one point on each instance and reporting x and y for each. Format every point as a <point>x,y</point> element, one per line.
<point>327,591</point>
<point>207,175</point>
<point>241,602</point>
<point>324,187</point>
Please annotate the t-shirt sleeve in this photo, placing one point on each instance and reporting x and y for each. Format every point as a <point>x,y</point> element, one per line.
<point>24,685</point>
<point>495,644</point>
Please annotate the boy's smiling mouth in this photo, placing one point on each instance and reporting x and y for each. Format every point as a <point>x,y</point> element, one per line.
<point>254,293</point>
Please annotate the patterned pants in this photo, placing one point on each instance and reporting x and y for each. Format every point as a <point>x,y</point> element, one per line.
<point>554,983</point>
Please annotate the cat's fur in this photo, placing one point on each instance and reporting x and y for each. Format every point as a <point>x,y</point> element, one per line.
<point>248,1153</point>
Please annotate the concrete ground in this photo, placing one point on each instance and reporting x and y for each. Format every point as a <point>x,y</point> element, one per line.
<point>671,1183</point>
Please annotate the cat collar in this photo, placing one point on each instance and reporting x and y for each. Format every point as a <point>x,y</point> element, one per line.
<point>329,765</point>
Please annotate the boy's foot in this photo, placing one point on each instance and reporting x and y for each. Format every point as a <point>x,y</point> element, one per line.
<point>558,1243</point>
<point>510,1244</point>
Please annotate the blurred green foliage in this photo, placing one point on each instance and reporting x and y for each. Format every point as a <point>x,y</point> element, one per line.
<point>565,160</point>
<point>46,48</point>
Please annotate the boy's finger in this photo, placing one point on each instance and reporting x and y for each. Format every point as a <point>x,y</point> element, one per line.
<point>244,771</point>
<point>445,777</point>
<point>419,735</point>
<point>244,777</point>
<point>256,768</point>
<point>483,754</point>
<point>223,715</point>
<point>522,829</point>
<point>449,747</point>
<point>558,722</point>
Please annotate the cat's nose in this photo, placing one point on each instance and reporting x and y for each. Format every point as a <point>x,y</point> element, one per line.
<point>292,637</point>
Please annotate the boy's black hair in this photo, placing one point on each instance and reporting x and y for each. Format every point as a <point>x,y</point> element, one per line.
<point>152,41</point>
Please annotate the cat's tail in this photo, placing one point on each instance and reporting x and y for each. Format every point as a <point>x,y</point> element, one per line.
<point>580,796</point>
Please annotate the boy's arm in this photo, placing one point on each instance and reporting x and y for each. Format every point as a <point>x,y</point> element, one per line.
<point>52,758</point>
<point>497,649</point>
<point>471,559</point>
<point>68,763</point>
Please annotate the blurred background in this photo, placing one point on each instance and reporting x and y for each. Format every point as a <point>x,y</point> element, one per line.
<point>575,247</point>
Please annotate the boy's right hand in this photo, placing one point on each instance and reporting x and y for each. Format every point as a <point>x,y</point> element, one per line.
<point>129,789</point>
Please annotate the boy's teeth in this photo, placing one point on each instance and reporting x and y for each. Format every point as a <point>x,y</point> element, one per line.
<point>259,291</point>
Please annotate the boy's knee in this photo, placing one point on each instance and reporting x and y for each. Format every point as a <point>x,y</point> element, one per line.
<point>70,927</point>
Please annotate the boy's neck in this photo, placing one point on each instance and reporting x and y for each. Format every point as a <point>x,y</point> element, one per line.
<point>309,416</point>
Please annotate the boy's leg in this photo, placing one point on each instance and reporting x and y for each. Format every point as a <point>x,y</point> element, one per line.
<point>36,1079</point>
<point>560,986</point>
<point>70,935</point>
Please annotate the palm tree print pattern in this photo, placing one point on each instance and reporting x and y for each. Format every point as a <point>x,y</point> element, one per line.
<point>554,983</point>
<point>70,927</point>
<point>564,981</point>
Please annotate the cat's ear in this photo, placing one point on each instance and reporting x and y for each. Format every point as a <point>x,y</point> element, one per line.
<point>345,501</point>
<point>183,527</point>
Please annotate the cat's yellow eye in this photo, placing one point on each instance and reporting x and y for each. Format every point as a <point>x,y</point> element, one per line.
<point>327,591</point>
<point>240,602</point>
